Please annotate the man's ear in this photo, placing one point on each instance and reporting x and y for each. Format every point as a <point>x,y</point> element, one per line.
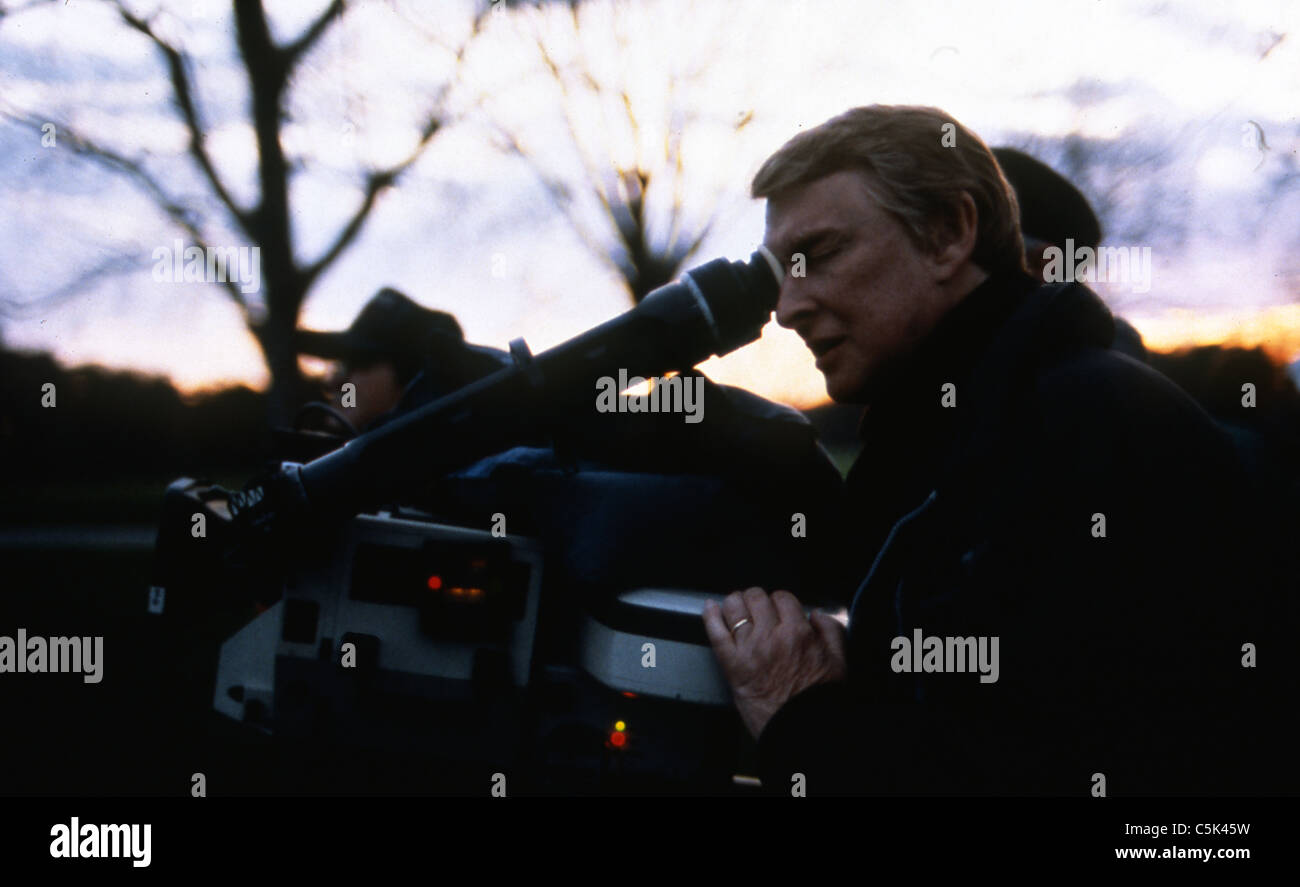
<point>955,235</point>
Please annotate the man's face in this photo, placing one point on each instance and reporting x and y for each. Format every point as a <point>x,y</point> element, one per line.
<point>869,294</point>
<point>377,390</point>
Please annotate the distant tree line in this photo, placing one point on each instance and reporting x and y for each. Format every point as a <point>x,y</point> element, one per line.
<point>1215,376</point>
<point>107,423</point>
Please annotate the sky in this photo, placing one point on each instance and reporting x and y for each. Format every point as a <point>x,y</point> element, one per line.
<point>1187,111</point>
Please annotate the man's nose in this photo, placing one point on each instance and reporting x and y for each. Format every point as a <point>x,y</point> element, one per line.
<point>794,302</point>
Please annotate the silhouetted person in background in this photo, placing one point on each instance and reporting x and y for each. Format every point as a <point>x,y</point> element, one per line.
<point>397,355</point>
<point>1052,211</point>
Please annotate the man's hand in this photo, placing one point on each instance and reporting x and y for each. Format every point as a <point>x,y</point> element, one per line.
<point>769,651</point>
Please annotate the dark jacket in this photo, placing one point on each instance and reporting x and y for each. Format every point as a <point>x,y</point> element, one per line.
<point>1118,655</point>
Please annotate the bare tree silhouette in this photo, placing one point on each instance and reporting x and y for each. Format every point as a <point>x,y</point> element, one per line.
<point>642,227</point>
<point>267,223</point>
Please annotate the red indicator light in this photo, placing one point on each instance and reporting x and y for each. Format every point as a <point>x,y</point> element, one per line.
<point>435,583</point>
<point>618,739</point>
<point>629,694</point>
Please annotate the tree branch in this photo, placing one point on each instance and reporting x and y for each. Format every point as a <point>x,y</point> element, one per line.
<point>14,308</point>
<point>561,196</point>
<point>178,65</point>
<point>133,170</point>
<point>300,47</point>
<point>376,182</point>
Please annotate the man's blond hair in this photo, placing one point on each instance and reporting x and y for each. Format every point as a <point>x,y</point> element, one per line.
<point>917,161</point>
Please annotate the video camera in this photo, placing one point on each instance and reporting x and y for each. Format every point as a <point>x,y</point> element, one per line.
<point>510,581</point>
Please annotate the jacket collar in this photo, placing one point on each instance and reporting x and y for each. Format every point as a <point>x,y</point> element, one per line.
<point>992,345</point>
<point>949,353</point>
<point>1052,323</point>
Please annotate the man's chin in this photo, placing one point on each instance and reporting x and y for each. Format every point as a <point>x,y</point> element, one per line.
<point>847,391</point>
<point>869,383</point>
